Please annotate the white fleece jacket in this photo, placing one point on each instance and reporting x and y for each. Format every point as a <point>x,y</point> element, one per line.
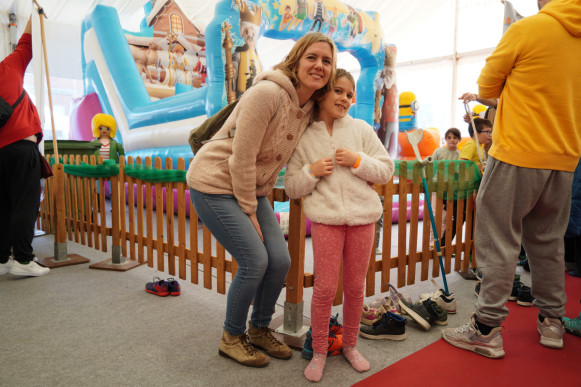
<point>344,197</point>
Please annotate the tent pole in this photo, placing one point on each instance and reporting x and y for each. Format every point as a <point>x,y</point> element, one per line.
<point>455,66</point>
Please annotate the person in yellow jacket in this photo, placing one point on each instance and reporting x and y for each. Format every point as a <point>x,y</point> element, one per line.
<point>526,189</point>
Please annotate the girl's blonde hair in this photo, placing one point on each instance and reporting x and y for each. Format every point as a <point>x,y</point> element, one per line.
<point>102,119</point>
<point>290,64</point>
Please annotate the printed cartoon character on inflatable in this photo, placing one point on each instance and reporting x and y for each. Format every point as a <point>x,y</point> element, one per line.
<point>385,115</point>
<point>408,108</point>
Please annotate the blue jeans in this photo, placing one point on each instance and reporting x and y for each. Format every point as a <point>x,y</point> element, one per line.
<point>262,266</point>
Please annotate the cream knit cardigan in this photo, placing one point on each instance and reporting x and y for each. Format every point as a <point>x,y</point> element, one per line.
<point>344,197</point>
<point>269,123</point>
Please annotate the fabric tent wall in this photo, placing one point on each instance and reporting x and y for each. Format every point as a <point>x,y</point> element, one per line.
<point>423,31</point>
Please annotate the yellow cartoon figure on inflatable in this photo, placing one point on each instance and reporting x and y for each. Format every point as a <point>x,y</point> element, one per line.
<point>408,108</point>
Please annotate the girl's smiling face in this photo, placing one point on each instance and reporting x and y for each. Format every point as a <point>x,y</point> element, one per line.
<point>336,102</point>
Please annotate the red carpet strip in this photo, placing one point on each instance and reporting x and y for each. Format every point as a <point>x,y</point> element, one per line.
<point>526,362</point>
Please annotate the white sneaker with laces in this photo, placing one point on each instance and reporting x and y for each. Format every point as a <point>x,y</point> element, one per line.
<point>551,331</point>
<point>32,269</point>
<point>470,338</point>
<point>5,267</point>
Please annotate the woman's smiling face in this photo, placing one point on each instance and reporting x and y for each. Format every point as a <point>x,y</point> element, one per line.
<point>315,67</point>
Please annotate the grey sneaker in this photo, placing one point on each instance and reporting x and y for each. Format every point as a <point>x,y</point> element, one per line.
<point>470,338</point>
<point>31,269</point>
<point>551,331</point>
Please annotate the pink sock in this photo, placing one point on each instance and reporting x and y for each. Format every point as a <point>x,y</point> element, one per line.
<point>357,361</point>
<point>314,371</point>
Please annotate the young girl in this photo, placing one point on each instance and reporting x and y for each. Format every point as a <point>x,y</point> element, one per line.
<point>334,166</point>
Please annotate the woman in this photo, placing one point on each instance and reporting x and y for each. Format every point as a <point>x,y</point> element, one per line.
<point>229,182</point>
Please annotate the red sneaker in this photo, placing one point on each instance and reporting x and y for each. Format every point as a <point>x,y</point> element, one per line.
<point>158,287</point>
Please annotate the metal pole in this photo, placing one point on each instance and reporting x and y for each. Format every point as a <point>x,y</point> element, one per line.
<point>414,137</point>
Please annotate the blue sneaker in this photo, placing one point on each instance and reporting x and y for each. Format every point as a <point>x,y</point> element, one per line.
<point>390,326</point>
<point>573,325</point>
<point>334,326</point>
<point>158,287</point>
<point>307,352</point>
<point>335,345</point>
<point>173,287</point>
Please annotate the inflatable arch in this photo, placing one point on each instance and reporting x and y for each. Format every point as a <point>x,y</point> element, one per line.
<point>159,128</point>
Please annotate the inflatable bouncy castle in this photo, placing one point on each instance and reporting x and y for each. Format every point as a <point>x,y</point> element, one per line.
<point>167,78</point>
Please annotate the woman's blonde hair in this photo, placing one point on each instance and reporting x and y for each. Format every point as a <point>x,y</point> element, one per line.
<point>290,64</point>
<point>102,119</point>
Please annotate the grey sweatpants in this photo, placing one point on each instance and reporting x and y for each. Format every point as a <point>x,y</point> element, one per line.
<point>514,203</point>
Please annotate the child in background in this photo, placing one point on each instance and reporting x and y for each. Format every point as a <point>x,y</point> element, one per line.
<point>336,163</point>
<point>104,130</point>
<point>469,150</point>
<point>449,151</point>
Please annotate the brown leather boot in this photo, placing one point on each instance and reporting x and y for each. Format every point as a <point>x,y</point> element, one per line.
<point>238,348</point>
<point>264,339</point>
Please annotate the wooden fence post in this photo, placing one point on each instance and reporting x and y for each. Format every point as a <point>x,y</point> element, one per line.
<point>293,306</point>
<point>61,258</point>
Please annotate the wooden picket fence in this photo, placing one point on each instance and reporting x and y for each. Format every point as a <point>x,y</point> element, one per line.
<point>149,236</point>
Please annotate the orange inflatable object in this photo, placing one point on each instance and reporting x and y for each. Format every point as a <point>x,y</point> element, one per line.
<point>430,142</point>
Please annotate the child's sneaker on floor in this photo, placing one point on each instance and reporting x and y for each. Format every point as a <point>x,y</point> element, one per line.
<point>525,297</point>
<point>551,331</point>
<point>371,315</point>
<point>173,287</point>
<point>446,301</point>
<point>390,326</point>
<point>516,287</point>
<point>573,325</point>
<point>334,326</point>
<point>425,313</point>
<point>158,287</point>
<point>470,338</point>
<point>335,345</point>
<point>390,302</point>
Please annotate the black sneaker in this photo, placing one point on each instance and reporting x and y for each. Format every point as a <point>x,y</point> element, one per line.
<point>516,285</point>
<point>525,298</point>
<point>439,314</point>
<point>390,326</point>
<point>425,313</point>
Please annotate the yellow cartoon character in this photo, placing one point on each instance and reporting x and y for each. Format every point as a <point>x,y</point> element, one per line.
<point>104,129</point>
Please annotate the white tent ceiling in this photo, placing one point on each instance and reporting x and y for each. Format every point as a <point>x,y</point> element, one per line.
<point>424,32</point>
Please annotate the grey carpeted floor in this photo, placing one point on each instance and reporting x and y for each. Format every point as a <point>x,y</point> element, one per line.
<point>84,327</point>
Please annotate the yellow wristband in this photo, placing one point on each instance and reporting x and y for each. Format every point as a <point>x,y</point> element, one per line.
<point>357,162</point>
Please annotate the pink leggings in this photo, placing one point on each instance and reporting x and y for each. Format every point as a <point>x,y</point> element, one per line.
<point>353,244</point>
